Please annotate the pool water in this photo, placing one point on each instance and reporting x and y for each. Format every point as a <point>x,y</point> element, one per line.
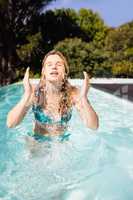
<point>91,165</point>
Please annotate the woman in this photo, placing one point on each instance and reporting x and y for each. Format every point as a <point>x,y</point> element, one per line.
<point>52,100</point>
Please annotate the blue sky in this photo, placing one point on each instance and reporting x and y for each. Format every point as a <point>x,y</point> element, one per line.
<point>113,12</point>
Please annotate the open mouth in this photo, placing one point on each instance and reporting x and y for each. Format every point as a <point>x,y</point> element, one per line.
<point>54,73</point>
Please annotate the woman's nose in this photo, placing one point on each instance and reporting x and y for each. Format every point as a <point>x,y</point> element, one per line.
<point>54,66</point>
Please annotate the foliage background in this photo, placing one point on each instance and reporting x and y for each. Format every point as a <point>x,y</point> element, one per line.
<point>27,34</point>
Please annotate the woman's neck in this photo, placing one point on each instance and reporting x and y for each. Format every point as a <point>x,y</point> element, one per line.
<point>53,88</point>
<point>53,95</point>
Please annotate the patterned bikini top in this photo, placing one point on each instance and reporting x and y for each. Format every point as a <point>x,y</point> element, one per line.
<point>43,118</point>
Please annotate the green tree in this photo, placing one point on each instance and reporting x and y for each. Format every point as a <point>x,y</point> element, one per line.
<point>16,18</point>
<point>82,56</point>
<point>119,46</point>
<point>123,69</point>
<point>67,23</point>
<point>84,31</point>
<point>92,24</point>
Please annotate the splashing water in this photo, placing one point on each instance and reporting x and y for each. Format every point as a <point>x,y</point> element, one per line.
<point>92,165</point>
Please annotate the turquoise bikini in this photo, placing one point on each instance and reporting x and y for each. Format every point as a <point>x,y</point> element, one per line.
<point>45,119</point>
<point>47,138</point>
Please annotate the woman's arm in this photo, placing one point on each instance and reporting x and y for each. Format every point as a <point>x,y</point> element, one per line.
<point>87,113</point>
<point>81,102</point>
<point>18,112</point>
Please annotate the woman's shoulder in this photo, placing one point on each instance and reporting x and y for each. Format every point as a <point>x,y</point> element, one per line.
<point>75,90</point>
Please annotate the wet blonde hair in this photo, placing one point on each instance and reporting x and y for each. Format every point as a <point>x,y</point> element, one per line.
<point>65,102</point>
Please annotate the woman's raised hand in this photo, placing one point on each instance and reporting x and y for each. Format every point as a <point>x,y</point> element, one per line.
<point>85,85</point>
<point>26,83</point>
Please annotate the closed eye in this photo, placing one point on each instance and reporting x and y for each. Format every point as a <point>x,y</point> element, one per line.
<point>59,64</point>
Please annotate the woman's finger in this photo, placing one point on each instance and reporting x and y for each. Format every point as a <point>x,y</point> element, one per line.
<point>86,75</point>
<point>26,76</point>
<point>85,85</point>
<point>86,78</point>
<point>26,82</point>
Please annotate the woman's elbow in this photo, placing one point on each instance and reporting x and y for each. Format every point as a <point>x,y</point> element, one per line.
<point>92,126</point>
<point>9,122</point>
<point>8,125</point>
<point>95,124</point>
<point>95,127</point>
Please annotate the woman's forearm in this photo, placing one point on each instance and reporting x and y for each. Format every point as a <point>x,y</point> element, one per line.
<point>88,114</point>
<point>18,112</point>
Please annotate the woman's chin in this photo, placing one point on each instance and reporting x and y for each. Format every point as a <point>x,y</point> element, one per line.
<point>55,80</point>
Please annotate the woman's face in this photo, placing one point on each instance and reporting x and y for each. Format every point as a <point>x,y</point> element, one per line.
<point>54,68</point>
